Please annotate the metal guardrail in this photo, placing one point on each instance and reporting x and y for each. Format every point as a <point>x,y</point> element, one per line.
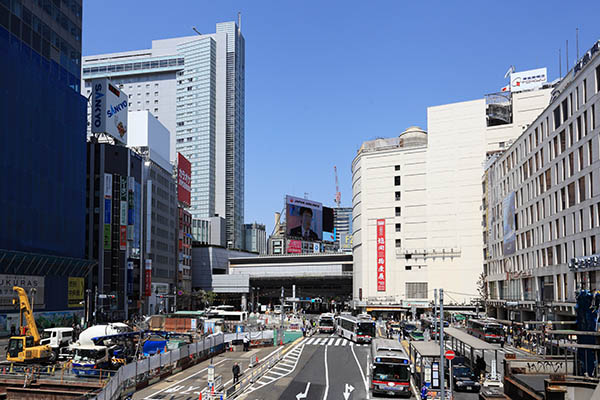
<point>153,367</point>
<point>248,379</point>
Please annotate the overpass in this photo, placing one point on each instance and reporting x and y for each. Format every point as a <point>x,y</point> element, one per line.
<point>319,279</point>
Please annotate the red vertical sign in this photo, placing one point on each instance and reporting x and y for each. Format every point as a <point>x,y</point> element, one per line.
<point>381,255</point>
<point>148,279</point>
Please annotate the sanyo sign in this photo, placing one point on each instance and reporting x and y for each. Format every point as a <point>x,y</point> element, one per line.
<point>109,110</point>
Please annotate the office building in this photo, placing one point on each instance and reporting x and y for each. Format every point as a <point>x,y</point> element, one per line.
<point>42,176</point>
<point>160,220</point>
<point>209,231</point>
<point>542,205</point>
<point>342,223</point>
<point>113,229</point>
<point>420,194</point>
<point>184,251</point>
<point>194,86</point>
<point>255,238</point>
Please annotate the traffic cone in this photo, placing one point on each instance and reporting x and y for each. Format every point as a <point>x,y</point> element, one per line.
<point>256,361</point>
<point>200,396</point>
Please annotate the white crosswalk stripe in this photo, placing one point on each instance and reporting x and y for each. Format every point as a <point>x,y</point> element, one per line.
<point>331,342</point>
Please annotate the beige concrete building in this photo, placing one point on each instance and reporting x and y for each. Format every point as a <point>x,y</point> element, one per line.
<point>427,187</point>
<point>542,204</point>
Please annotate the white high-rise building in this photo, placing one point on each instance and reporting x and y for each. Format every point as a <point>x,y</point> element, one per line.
<point>194,86</point>
<point>425,188</point>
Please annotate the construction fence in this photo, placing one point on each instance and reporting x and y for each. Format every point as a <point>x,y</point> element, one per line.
<point>146,371</point>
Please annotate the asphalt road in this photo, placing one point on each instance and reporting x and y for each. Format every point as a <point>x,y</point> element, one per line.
<point>327,367</point>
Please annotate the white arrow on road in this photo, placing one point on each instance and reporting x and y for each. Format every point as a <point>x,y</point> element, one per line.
<point>347,390</point>
<point>303,395</point>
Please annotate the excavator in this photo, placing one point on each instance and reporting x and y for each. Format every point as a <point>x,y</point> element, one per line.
<point>26,348</point>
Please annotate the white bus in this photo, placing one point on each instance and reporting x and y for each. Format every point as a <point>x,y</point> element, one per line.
<point>390,368</point>
<point>358,329</point>
<point>326,323</point>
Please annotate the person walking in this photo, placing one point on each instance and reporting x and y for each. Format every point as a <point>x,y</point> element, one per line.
<point>236,373</point>
<point>246,343</point>
<point>424,392</point>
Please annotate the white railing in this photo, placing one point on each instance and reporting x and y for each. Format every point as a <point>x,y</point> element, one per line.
<point>128,375</point>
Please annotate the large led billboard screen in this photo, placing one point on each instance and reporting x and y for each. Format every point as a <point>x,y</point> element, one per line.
<point>308,220</point>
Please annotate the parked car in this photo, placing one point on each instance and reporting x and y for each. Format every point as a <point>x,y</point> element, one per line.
<point>416,335</point>
<point>408,327</point>
<point>463,379</point>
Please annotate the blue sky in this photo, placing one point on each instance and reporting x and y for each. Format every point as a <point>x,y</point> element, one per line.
<point>324,76</point>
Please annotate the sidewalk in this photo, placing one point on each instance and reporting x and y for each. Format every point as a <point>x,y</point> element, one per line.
<point>195,378</point>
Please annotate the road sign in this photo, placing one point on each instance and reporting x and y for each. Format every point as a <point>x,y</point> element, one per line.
<point>449,354</point>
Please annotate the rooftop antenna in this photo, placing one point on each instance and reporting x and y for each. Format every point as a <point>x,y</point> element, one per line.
<point>196,30</point>
<point>559,65</point>
<point>577,42</point>
<point>338,195</point>
<point>510,71</point>
<point>567,56</point>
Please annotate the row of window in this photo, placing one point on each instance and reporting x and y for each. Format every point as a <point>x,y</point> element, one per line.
<point>133,66</point>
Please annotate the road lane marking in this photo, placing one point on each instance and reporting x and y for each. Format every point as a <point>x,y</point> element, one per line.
<point>182,380</point>
<point>331,342</point>
<point>303,395</point>
<point>345,342</point>
<point>337,342</point>
<point>361,373</point>
<point>310,341</point>
<point>326,376</point>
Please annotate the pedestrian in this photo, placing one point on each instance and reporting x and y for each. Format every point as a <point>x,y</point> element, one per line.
<point>502,340</point>
<point>246,343</point>
<point>236,373</point>
<point>424,392</point>
<point>13,330</point>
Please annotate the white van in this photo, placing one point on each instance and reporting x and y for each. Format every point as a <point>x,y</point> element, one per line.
<point>57,338</point>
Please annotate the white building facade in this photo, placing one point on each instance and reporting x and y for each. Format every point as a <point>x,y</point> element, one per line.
<point>542,205</point>
<point>433,234</point>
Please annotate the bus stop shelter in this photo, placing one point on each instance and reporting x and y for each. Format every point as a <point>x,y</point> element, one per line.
<point>469,346</point>
<point>425,356</point>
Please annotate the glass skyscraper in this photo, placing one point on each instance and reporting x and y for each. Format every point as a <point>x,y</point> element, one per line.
<point>195,86</point>
<point>42,151</point>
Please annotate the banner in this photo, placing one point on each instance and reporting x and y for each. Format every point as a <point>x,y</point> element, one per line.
<point>123,238</point>
<point>129,278</point>
<point>27,282</point>
<point>130,208</point>
<point>76,292</point>
<point>294,247</point>
<point>148,279</point>
<point>184,180</point>
<point>108,186</point>
<point>381,255</point>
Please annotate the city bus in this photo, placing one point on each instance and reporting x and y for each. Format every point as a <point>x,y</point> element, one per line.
<point>357,329</point>
<point>326,323</point>
<point>487,330</point>
<point>390,368</point>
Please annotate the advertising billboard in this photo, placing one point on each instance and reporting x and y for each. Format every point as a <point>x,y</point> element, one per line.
<point>76,292</point>
<point>304,218</point>
<point>107,239</point>
<point>508,224</point>
<point>109,110</point>
<point>27,282</point>
<point>528,80</point>
<point>328,225</point>
<point>184,180</point>
<point>381,255</point>
<point>294,247</point>
<point>148,279</point>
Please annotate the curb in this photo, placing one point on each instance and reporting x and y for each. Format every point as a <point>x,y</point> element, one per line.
<point>294,343</point>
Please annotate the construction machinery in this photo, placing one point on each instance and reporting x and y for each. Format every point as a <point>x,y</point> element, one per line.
<point>26,348</point>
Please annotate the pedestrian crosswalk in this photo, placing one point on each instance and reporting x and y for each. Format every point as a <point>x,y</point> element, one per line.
<point>330,341</point>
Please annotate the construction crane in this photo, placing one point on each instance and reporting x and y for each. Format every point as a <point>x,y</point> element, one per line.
<point>338,195</point>
<point>26,347</point>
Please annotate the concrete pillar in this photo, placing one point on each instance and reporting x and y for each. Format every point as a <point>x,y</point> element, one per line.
<point>253,304</point>
<point>244,302</point>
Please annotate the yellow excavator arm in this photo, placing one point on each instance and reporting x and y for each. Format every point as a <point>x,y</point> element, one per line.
<point>27,313</point>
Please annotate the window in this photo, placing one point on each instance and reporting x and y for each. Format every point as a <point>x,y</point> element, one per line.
<point>407,267</point>
<point>584,91</point>
<point>396,181</point>
<point>155,101</point>
<point>416,290</point>
<point>398,243</point>
<point>397,194</point>
<point>398,229</point>
<point>396,168</point>
<point>156,93</point>
<point>156,110</point>
<point>398,211</point>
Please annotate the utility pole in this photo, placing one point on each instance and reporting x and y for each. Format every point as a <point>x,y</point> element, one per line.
<point>435,311</point>
<point>282,314</point>
<point>442,349</point>
<point>96,305</point>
